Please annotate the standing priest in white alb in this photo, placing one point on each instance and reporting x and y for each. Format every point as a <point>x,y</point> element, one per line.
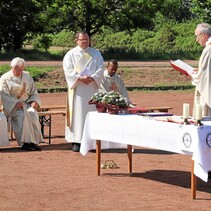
<point>20,101</point>
<point>83,69</point>
<point>202,76</point>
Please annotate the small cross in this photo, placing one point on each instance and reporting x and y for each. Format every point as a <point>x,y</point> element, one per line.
<point>113,87</point>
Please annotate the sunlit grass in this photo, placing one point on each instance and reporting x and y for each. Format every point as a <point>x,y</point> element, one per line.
<point>35,71</point>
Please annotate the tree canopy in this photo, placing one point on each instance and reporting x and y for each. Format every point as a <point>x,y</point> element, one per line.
<point>24,18</point>
<point>18,18</point>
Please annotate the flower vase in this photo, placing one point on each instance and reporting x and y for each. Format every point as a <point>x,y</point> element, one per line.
<point>101,108</point>
<point>91,102</point>
<point>112,109</point>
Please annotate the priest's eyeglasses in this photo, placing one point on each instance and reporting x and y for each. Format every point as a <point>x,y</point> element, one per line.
<point>83,40</point>
<point>196,35</point>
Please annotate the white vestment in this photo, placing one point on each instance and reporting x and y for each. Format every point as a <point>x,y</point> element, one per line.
<point>24,122</point>
<point>202,81</point>
<point>4,140</point>
<point>82,92</point>
<point>113,83</point>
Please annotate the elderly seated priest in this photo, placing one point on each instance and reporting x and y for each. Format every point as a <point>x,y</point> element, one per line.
<point>20,102</point>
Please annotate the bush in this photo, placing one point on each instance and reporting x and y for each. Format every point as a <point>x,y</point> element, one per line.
<point>42,42</point>
<point>167,41</point>
<point>170,41</point>
<point>64,39</point>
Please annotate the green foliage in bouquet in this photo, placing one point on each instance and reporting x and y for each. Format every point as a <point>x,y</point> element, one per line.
<point>97,97</point>
<point>114,98</point>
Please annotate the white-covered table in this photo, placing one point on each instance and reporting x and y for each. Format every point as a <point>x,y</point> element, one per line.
<point>4,140</point>
<point>135,130</point>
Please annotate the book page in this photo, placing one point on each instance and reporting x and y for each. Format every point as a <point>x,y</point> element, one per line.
<point>182,67</point>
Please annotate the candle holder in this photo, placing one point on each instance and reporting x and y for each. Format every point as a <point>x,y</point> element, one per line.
<point>186,122</point>
<point>198,122</point>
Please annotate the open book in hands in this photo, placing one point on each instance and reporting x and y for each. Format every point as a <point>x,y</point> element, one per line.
<point>182,67</point>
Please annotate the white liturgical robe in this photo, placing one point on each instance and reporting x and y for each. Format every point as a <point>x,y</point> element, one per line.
<point>82,93</point>
<point>202,81</point>
<point>4,140</point>
<point>25,122</point>
<point>113,83</point>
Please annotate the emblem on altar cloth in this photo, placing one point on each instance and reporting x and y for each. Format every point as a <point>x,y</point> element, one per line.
<point>187,140</point>
<point>205,137</point>
<point>208,140</point>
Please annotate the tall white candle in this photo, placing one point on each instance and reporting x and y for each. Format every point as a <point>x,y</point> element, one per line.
<point>185,110</point>
<point>198,112</point>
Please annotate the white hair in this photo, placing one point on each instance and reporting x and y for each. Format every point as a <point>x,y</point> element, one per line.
<point>17,62</point>
<point>204,28</point>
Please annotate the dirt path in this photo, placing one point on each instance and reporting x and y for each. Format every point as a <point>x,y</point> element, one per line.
<point>58,179</point>
<point>121,63</point>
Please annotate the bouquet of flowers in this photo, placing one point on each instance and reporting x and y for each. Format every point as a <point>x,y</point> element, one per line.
<point>114,102</point>
<point>97,98</point>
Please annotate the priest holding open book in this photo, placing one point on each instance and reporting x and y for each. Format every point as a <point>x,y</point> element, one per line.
<point>201,77</point>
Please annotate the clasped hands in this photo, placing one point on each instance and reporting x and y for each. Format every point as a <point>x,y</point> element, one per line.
<point>86,79</point>
<point>33,104</point>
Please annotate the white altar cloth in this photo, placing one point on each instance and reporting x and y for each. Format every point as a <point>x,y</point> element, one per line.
<point>4,140</point>
<point>147,132</point>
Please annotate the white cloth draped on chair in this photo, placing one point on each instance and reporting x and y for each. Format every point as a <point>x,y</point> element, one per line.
<point>4,140</point>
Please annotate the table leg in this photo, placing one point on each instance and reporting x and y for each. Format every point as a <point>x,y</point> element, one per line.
<point>41,118</point>
<point>129,153</point>
<point>49,133</point>
<point>98,154</point>
<point>45,120</point>
<point>193,181</point>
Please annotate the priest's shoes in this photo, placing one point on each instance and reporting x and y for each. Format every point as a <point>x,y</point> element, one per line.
<point>37,148</point>
<point>76,147</point>
<point>30,147</point>
<point>209,175</point>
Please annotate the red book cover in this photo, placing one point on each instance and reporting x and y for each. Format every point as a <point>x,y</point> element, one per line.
<point>182,67</point>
